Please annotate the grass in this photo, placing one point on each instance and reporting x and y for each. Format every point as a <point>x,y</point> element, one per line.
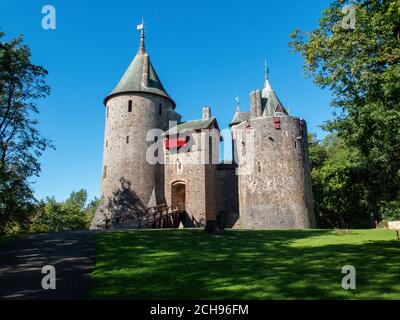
<point>188,264</point>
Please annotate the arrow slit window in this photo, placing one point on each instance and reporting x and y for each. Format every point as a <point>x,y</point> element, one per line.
<point>178,166</point>
<point>105,172</point>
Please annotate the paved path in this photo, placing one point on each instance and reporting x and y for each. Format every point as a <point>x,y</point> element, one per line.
<point>21,261</point>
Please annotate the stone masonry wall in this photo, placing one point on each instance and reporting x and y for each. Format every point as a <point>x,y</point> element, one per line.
<point>277,193</point>
<point>228,206</point>
<point>128,180</point>
<point>200,181</point>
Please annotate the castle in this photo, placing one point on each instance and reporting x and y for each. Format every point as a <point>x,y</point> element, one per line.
<point>267,185</point>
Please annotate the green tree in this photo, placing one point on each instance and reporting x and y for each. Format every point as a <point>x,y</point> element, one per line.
<point>21,85</point>
<point>91,210</point>
<point>16,202</point>
<point>77,200</point>
<point>53,216</point>
<point>361,67</point>
<point>338,190</point>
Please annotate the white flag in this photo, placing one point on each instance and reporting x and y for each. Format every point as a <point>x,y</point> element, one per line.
<point>140,26</point>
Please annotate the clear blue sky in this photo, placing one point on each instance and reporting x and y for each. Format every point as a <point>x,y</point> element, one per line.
<point>205,52</point>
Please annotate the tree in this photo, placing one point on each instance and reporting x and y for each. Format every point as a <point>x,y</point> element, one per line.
<point>361,67</point>
<point>16,202</point>
<point>77,200</point>
<point>91,210</point>
<point>21,85</point>
<point>338,190</point>
<point>53,216</point>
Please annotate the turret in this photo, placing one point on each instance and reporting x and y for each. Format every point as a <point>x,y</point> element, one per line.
<point>274,179</point>
<point>137,104</point>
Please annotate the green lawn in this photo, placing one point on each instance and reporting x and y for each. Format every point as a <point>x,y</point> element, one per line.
<point>188,264</point>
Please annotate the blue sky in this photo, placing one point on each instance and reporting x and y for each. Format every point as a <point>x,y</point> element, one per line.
<point>205,52</point>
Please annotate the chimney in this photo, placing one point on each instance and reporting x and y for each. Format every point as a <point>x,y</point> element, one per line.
<point>206,113</point>
<point>253,110</point>
<point>258,103</point>
<point>145,74</point>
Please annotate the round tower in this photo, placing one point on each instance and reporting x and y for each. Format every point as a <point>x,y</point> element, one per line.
<point>138,104</point>
<point>274,174</point>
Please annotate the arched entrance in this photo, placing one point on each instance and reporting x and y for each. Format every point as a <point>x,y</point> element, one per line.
<point>178,198</point>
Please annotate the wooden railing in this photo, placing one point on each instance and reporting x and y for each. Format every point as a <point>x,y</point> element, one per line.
<point>161,216</point>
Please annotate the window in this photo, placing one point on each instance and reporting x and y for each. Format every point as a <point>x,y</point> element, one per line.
<point>178,166</point>
<point>210,150</point>
<point>127,139</point>
<point>130,106</point>
<point>259,167</point>
<point>105,172</point>
<point>160,109</point>
<point>107,108</point>
<point>106,143</point>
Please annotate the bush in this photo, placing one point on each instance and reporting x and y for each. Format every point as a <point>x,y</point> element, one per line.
<point>390,211</point>
<point>72,214</point>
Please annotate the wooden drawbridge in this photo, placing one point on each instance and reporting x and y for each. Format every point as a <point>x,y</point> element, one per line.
<point>158,217</point>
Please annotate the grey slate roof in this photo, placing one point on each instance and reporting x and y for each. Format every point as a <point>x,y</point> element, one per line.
<point>194,125</point>
<point>132,80</point>
<point>240,117</point>
<point>270,101</point>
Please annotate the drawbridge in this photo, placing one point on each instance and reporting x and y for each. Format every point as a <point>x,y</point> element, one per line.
<point>157,217</point>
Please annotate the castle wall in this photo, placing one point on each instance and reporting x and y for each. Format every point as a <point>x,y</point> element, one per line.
<point>200,180</point>
<point>276,192</point>
<point>128,180</point>
<point>228,205</point>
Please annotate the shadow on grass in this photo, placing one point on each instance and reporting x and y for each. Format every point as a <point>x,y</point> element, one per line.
<point>22,259</point>
<point>6,240</point>
<point>188,264</point>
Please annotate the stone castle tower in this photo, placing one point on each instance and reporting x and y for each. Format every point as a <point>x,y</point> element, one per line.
<point>138,104</point>
<point>191,171</point>
<point>271,154</point>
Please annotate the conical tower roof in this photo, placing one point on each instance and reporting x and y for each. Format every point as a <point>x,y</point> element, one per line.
<point>239,116</point>
<point>271,102</point>
<point>140,76</point>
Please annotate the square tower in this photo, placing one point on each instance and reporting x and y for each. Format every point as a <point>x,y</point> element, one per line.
<point>191,159</point>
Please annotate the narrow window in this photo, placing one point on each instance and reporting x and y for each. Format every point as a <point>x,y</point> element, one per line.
<point>160,109</point>
<point>105,172</point>
<point>178,166</point>
<point>106,143</point>
<point>210,150</point>
<point>127,139</point>
<point>130,106</point>
<point>259,167</point>
<point>295,144</point>
<point>107,108</point>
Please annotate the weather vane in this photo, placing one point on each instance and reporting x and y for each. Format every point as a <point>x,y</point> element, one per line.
<point>237,104</point>
<point>266,70</point>
<point>141,28</point>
